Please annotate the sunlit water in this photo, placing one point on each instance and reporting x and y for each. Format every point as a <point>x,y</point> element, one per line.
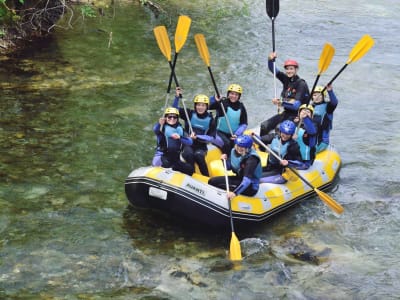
<point>76,117</point>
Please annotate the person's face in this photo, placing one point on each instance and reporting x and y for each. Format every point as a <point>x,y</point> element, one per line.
<point>241,150</point>
<point>172,119</point>
<point>201,108</point>
<point>285,137</point>
<point>290,71</point>
<point>305,113</point>
<point>233,96</point>
<point>317,97</point>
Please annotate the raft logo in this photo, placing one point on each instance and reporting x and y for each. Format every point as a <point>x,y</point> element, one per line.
<point>195,189</point>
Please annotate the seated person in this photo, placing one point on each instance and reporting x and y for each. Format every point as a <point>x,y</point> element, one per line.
<point>245,163</point>
<point>170,139</point>
<point>286,148</point>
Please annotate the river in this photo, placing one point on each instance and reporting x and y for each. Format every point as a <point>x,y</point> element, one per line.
<point>76,117</point>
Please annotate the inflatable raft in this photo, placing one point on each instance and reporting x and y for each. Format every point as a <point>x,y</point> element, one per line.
<point>191,198</point>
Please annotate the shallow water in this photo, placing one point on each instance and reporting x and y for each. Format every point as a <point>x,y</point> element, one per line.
<point>76,117</point>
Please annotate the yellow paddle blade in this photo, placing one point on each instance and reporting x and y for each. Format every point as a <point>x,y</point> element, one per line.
<point>336,207</point>
<point>202,47</point>
<point>181,32</point>
<point>362,47</point>
<point>160,32</point>
<point>235,253</point>
<point>326,57</point>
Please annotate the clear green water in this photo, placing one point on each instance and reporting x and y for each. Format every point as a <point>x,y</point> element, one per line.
<point>76,117</point>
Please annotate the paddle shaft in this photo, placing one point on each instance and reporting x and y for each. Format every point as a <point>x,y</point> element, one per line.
<point>227,192</point>
<point>218,95</point>
<point>334,77</point>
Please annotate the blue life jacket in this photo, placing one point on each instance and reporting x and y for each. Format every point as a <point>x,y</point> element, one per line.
<point>200,125</point>
<point>234,120</point>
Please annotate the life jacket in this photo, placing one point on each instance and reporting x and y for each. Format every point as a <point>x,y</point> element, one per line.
<point>234,120</point>
<point>172,145</point>
<point>305,150</point>
<point>290,90</point>
<point>280,149</point>
<point>200,125</point>
<point>237,162</point>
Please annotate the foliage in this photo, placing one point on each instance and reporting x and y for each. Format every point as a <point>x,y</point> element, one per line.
<point>88,11</point>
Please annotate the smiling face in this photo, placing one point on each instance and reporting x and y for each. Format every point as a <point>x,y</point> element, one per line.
<point>201,108</point>
<point>233,96</point>
<point>241,150</point>
<point>317,97</point>
<point>171,119</point>
<point>290,71</point>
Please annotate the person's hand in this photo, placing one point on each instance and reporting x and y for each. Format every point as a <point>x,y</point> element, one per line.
<point>231,195</point>
<point>161,121</point>
<point>233,137</point>
<point>284,162</point>
<point>329,87</point>
<point>175,136</point>
<point>277,101</point>
<point>224,156</point>
<point>193,136</point>
<point>304,113</point>
<point>178,91</point>
<point>272,56</point>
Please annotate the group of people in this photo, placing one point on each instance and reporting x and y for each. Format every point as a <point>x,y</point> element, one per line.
<point>295,134</point>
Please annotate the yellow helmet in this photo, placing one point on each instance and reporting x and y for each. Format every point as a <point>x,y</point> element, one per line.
<point>319,89</point>
<point>307,106</point>
<point>201,99</point>
<point>235,88</point>
<point>171,110</point>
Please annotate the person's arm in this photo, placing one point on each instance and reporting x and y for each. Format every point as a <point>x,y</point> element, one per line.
<point>292,105</point>
<point>248,173</point>
<point>333,102</point>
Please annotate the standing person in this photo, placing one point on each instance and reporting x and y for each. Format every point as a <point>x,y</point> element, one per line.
<point>204,129</point>
<point>323,114</point>
<point>294,93</point>
<point>286,148</point>
<point>233,122</point>
<point>245,163</point>
<point>306,135</point>
<point>170,138</point>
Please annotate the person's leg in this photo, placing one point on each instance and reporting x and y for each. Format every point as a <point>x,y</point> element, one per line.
<point>200,159</point>
<point>270,124</point>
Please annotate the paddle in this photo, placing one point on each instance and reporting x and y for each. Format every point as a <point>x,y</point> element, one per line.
<point>205,55</point>
<point>272,12</point>
<point>324,61</point>
<point>336,207</point>
<point>164,44</point>
<point>160,32</point>
<point>181,33</point>
<point>235,252</point>
<point>359,50</point>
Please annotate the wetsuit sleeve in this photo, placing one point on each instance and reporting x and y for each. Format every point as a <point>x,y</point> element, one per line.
<point>176,102</point>
<point>292,106</point>
<point>186,141</point>
<point>309,126</point>
<point>280,75</point>
<point>248,173</point>
<point>333,102</point>
<point>156,128</point>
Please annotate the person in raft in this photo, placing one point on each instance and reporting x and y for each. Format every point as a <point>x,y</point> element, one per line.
<point>170,140</point>
<point>324,107</point>
<point>245,163</point>
<point>286,148</point>
<point>294,93</point>
<point>231,116</point>
<point>201,128</point>
<point>306,135</point>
